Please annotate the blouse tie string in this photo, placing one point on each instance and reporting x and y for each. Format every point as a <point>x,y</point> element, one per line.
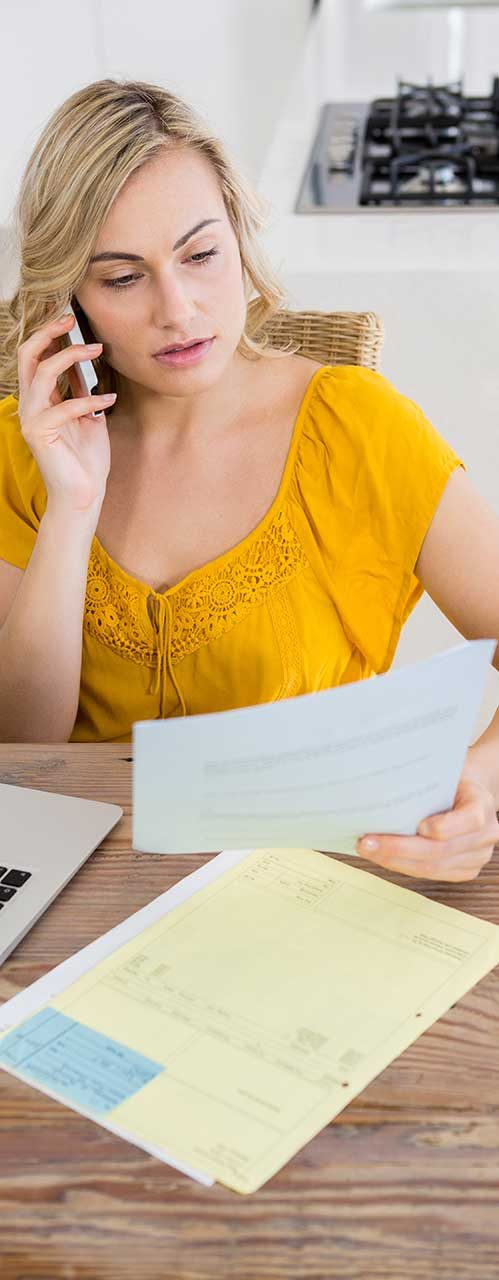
<point>160,613</point>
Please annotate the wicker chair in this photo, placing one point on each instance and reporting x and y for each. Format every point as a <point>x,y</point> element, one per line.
<point>330,337</point>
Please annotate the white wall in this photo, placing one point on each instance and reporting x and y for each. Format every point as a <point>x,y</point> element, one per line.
<point>232,59</point>
<point>376,48</point>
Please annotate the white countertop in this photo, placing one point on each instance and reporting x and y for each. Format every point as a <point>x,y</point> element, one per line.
<point>443,240</point>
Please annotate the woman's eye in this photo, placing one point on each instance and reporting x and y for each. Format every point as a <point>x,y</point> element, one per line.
<point>201,257</point>
<point>124,282</point>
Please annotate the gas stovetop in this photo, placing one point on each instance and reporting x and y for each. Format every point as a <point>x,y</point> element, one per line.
<point>431,146</point>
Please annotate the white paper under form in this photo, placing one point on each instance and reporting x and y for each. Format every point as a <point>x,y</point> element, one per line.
<point>53,983</point>
<point>315,771</point>
<point>56,980</point>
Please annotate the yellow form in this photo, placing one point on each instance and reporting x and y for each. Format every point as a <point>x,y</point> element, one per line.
<point>233,1029</point>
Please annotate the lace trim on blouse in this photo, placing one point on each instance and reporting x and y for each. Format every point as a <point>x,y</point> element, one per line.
<point>207,607</point>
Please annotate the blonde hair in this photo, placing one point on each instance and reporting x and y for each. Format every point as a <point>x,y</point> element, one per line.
<point>89,148</point>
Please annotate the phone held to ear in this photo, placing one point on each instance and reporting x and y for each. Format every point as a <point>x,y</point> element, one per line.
<point>84,370</point>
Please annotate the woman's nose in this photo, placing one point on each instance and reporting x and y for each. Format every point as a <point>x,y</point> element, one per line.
<point>174,305</point>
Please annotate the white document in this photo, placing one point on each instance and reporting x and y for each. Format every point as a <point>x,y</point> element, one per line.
<point>316,771</point>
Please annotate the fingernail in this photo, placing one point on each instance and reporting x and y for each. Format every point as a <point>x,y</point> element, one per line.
<point>110,395</point>
<point>369,844</point>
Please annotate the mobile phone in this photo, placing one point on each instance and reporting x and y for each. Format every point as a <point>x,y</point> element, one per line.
<point>84,370</point>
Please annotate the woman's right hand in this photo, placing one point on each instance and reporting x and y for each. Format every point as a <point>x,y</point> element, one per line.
<point>71,448</point>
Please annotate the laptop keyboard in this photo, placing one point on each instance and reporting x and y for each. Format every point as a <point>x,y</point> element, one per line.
<point>11,881</point>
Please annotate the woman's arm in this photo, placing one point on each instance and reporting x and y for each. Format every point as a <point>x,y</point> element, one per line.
<point>458,566</point>
<point>41,638</point>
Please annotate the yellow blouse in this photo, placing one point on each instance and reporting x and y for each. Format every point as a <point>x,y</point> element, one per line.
<point>315,596</point>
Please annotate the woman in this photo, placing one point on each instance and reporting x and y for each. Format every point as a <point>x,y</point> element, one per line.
<point>245,524</point>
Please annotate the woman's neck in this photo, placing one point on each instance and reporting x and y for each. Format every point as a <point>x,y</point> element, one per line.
<point>146,416</point>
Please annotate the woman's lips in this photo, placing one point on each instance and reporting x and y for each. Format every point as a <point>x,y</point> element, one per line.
<point>190,355</point>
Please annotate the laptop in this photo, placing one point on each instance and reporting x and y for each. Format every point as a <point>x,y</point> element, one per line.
<point>44,840</point>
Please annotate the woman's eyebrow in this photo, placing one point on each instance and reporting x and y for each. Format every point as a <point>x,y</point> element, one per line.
<point>135,257</point>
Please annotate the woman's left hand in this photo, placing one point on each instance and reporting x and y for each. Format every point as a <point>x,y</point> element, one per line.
<point>453,845</point>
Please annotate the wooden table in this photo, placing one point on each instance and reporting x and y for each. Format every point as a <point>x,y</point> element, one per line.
<point>403,1184</point>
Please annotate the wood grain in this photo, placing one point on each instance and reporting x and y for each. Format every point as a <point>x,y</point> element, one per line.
<point>403,1185</point>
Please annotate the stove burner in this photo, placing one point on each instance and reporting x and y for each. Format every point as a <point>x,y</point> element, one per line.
<point>431,145</point>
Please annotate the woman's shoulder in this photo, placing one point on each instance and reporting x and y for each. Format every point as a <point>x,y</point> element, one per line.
<point>11,438</point>
<point>334,382</point>
<point>333,402</point>
<point>22,494</point>
<point>288,372</point>
<point>362,403</point>
<point>356,419</point>
<point>14,451</point>
<point>18,467</point>
<point>9,415</point>
<point>349,402</point>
